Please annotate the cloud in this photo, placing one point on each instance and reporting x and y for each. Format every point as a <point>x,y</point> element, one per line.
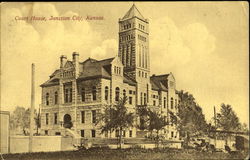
<point>178,46</point>
<point>108,48</point>
<point>41,43</point>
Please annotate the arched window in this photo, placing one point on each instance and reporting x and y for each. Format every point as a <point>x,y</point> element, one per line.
<point>106,93</point>
<point>143,55</point>
<point>172,103</point>
<point>117,93</point>
<point>145,98</point>
<point>139,55</point>
<point>83,94</point>
<point>141,98</point>
<point>94,93</point>
<point>128,57</point>
<point>131,51</point>
<point>124,93</point>
<point>47,99</point>
<point>164,102</point>
<point>56,97</point>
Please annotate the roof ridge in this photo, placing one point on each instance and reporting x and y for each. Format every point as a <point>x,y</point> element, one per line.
<point>159,75</point>
<point>133,12</point>
<point>105,59</point>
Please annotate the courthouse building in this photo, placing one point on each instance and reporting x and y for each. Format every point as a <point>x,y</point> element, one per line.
<point>79,89</point>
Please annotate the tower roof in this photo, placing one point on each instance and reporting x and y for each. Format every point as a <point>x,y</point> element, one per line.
<point>133,12</point>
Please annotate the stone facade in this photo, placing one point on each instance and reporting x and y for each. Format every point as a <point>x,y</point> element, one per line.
<point>77,91</point>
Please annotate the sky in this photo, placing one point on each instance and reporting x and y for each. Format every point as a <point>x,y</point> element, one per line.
<point>204,44</point>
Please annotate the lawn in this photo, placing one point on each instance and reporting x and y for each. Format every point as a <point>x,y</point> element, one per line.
<point>129,154</point>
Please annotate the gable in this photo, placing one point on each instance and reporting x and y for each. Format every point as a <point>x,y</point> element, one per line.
<point>117,62</point>
<point>69,64</point>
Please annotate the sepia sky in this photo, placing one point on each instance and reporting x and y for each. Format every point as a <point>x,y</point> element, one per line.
<point>204,44</point>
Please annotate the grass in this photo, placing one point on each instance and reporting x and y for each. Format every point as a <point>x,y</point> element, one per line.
<point>128,154</point>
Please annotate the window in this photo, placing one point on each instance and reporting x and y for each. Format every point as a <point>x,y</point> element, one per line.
<point>47,118</point>
<point>175,103</point>
<point>47,99</point>
<point>115,69</point>
<point>70,95</point>
<point>46,132</point>
<point>154,103</point>
<point>83,94</point>
<point>130,92</point>
<point>117,133</point>
<point>139,73</point>
<point>66,96</point>
<point>94,116</point>
<point>145,98</point>
<point>106,93</point>
<point>142,74</point>
<point>82,116</point>
<point>130,133</point>
<point>130,100</point>
<point>172,134</point>
<point>117,93</point>
<point>141,98</point>
<point>58,133</point>
<point>145,75</point>
<point>164,102</point>
<point>56,97</point>
<point>124,133</point>
<point>172,103</point>
<point>93,133</point>
<point>124,93</point>
<point>82,133</point>
<point>106,133</point>
<point>94,93</point>
<point>55,118</point>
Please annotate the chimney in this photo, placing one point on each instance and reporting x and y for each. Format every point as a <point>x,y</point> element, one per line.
<point>63,60</point>
<point>75,57</point>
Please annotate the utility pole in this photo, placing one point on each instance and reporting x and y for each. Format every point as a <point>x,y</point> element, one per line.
<point>32,106</point>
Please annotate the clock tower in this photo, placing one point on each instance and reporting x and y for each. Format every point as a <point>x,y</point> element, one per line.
<point>134,49</point>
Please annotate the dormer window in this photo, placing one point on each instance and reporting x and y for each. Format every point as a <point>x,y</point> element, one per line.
<point>117,70</point>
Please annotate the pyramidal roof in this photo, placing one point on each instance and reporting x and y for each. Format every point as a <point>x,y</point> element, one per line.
<point>133,12</point>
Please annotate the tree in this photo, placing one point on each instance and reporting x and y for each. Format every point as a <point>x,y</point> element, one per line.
<point>191,118</point>
<point>156,122</point>
<point>37,120</point>
<point>142,112</point>
<point>244,128</point>
<point>116,117</point>
<point>151,120</point>
<point>20,118</point>
<point>227,118</point>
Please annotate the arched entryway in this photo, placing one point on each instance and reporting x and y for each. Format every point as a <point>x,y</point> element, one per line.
<point>67,121</point>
